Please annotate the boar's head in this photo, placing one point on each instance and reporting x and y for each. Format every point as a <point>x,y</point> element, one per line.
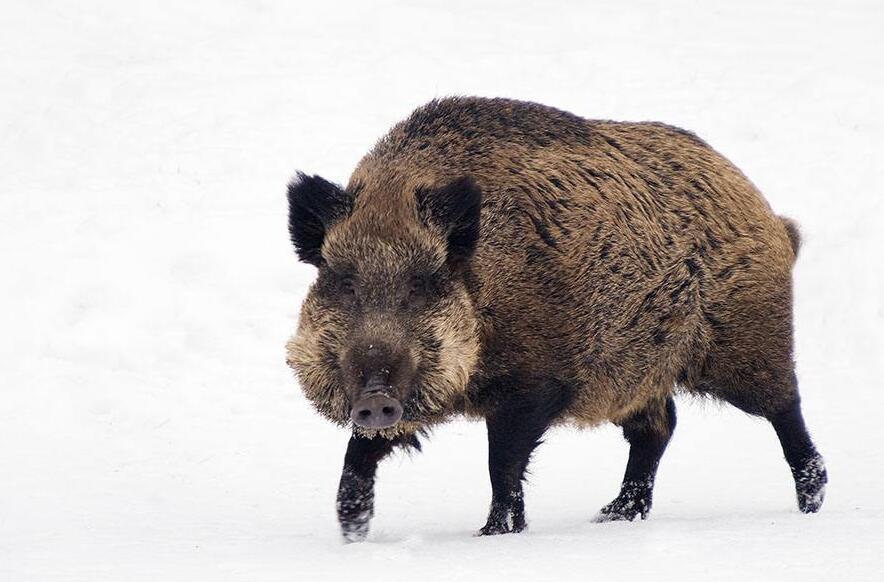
<point>387,337</point>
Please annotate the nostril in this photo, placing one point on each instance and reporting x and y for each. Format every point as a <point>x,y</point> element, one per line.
<point>376,411</point>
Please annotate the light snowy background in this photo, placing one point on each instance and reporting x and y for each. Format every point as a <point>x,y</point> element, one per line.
<point>149,428</point>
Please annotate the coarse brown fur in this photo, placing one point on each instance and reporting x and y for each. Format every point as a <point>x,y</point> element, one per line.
<point>619,260</point>
<point>622,258</point>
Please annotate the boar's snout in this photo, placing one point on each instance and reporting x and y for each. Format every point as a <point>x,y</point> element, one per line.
<point>380,374</point>
<point>376,410</point>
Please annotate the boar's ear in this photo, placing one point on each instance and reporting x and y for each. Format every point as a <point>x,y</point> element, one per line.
<point>314,205</point>
<point>455,209</point>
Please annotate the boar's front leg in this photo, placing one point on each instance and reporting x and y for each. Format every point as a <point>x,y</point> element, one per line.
<point>648,432</point>
<point>355,503</point>
<point>520,413</point>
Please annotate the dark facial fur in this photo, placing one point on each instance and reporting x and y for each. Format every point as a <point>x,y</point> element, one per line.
<point>389,298</point>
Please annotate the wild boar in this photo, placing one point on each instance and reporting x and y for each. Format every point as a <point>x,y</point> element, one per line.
<point>512,262</point>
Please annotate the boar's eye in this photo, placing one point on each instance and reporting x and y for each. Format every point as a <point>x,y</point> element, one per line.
<point>347,286</point>
<point>333,284</point>
<point>418,292</point>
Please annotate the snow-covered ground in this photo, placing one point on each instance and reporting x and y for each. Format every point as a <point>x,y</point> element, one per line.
<point>149,428</point>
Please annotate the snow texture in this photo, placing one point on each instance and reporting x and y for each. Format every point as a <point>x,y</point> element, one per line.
<point>149,428</point>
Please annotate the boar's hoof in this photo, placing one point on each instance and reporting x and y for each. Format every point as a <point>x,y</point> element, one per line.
<point>355,531</point>
<point>634,501</point>
<point>493,529</point>
<point>354,525</point>
<point>504,518</point>
<point>615,511</point>
<point>810,484</point>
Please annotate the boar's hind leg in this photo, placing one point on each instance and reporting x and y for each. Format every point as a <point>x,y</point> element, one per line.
<point>648,432</point>
<point>522,412</point>
<point>750,366</point>
<point>784,413</point>
<point>806,464</point>
<point>355,503</point>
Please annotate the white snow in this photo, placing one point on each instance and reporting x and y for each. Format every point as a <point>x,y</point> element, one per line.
<point>149,428</point>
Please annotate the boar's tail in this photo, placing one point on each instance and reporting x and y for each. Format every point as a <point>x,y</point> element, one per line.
<point>793,232</point>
